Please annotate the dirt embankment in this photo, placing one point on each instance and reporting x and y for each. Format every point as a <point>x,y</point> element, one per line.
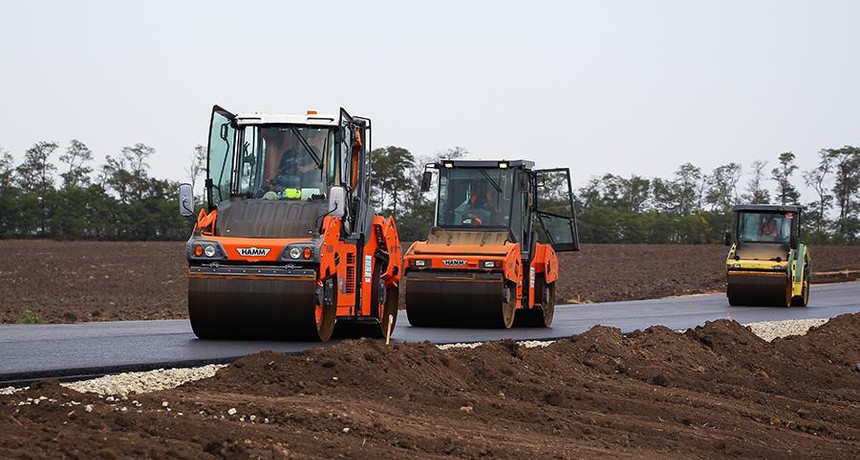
<point>64,282</point>
<point>715,392</point>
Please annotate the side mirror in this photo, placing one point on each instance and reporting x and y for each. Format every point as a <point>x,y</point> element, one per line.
<point>337,201</point>
<point>425,181</point>
<point>186,200</point>
<point>224,131</point>
<point>727,238</point>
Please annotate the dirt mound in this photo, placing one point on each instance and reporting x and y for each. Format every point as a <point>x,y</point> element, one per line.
<point>714,392</point>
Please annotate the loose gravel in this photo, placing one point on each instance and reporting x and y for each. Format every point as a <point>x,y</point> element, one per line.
<point>162,379</point>
<point>769,330</point>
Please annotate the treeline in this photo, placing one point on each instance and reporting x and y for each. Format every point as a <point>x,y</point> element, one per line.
<point>693,206</point>
<point>57,193</point>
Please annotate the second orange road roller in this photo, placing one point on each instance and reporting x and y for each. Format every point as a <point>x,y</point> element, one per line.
<point>490,258</point>
<point>288,246</point>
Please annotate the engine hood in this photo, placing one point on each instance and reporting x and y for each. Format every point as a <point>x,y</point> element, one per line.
<point>269,219</point>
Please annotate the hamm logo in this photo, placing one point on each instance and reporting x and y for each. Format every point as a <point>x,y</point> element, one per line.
<point>253,252</point>
<point>453,262</point>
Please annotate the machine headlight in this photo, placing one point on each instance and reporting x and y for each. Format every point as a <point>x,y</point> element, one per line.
<point>205,250</point>
<point>491,264</point>
<point>295,252</point>
<point>734,265</point>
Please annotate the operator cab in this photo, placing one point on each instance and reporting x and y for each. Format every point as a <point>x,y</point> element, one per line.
<point>276,176</point>
<point>505,196</point>
<point>766,232</point>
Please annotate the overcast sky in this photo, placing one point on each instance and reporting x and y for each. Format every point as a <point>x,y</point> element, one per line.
<point>634,87</point>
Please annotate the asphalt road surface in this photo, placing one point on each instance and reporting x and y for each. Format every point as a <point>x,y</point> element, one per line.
<point>73,351</point>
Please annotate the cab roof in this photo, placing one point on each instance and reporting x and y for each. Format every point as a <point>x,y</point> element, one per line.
<point>767,208</point>
<point>327,120</point>
<point>526,164</point>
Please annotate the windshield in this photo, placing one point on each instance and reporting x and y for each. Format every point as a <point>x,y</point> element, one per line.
<point>471,197</point>
<point>283,162</point>
<point>765,227</point>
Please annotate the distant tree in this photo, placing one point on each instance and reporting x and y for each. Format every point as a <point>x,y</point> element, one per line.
<point>616,192</point>
<point>846,191</point>
<point>722,187</point>
<point>786,192</point>
<point>127,177</point>
<point>36,179</point>
<point>637,193</point>
<point>389,177</point>
<point>687,189</point>
<point>197,164</point>
<point>127,174</point>
<point>9,196</point>
<point>683,194</point>
<point>76,157</point>
<point>36,173</point>
<point>756,193</point>
<point>663,194</point>
<point>817,179</point>
<point>69,217</point>
<point>452,153</point>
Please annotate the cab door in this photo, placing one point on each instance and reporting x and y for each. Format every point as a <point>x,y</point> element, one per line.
<point>219,159</point>
<point>553,198</point>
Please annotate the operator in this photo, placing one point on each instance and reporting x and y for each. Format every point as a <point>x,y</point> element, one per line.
<point>769,229</point>
<point>480,206</point>
<point>296,171</point>
<point>281,176</point>
<point>308,171</point>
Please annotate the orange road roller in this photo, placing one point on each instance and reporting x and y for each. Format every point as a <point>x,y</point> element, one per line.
<point>287,246</point>
<point>490,258</point>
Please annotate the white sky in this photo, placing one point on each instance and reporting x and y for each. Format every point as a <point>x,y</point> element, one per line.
<point>604,86</point>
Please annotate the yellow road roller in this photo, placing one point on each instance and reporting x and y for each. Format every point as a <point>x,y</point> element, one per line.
<point>767,265</point>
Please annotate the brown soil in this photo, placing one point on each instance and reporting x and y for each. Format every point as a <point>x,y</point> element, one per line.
<point>64,282</point>
<point>715,392</point>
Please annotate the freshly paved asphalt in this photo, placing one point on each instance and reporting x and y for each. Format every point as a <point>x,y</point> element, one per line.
<point>71,351</point>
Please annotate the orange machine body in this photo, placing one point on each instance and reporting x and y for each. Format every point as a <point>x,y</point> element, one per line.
<point>288,246</point>
<point>491,255</point>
